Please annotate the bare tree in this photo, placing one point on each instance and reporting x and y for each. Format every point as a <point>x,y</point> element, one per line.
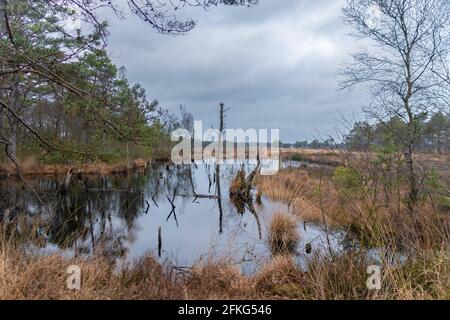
<point>406,39</point>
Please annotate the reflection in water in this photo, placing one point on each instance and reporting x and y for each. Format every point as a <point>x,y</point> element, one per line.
<point>167,210</point>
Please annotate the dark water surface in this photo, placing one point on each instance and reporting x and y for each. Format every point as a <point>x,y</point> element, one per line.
<point>120,216</point>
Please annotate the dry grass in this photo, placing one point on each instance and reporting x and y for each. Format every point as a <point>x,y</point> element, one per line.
<point>425,277</point>
<point>336,157</point>
<point>369,217</point>
<point>280,278</point>
<point>364,211</point>
<point>374,215</point>
<point>340,277</point>
<point>285,186</point>
<point>313,156</point>
<point>216,280</point>
<point>298,189</point>
<point>30,166</point>
<point>283,233</point>
<point>45,277</point>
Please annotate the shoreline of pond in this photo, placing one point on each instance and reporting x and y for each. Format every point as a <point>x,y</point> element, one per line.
<point>30,169</point>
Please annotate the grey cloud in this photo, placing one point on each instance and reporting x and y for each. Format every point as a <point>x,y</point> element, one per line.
<point>274,64</point>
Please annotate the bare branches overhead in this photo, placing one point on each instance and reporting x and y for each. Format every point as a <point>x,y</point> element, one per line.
<point>159,14</point>
<point>407,40</point>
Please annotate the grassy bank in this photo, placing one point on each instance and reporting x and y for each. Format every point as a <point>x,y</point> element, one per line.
<point>343,277</point>
<point>313,156</point>
<point>32,167</point>
<point>365,198</point>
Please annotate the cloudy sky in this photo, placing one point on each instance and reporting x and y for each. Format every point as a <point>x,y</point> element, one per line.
<point>275,65</point>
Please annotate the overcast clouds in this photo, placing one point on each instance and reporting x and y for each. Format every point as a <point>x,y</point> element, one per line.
<point>275,65</point>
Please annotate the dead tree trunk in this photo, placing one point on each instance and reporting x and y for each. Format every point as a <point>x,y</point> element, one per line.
<point>217,172</point>
<point>219,197</point>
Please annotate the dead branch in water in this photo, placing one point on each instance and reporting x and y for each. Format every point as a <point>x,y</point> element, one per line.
<point>153,198</point>
<point>173,207</point>
<point>148,207</point>
<point>199,196</point>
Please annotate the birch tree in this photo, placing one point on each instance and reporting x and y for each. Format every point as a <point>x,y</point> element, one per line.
<point>405,40</point>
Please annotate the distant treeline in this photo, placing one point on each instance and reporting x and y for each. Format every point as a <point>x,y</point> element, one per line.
<point>314,144</point>
<point>432,136</point>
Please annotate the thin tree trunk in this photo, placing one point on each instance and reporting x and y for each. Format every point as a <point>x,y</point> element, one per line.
<point>219,197</point>
<point>13,140</point>
<point>411,136</point>
<point>413,192</point>
<point>217,173</point>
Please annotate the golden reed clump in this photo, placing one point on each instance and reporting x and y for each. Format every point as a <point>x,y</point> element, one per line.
<point>283,233</point>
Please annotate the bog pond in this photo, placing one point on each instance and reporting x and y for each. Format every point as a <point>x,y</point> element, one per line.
<point>170,211</point>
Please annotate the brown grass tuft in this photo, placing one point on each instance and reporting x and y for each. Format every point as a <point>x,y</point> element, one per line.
<point>45,277</point>
<point>283,233</point>
<point>216,281</point>
<point>280,278</point>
